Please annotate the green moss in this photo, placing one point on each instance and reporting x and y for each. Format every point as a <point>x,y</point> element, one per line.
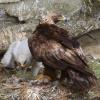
<point>23,74</point>
<point>95,65</point>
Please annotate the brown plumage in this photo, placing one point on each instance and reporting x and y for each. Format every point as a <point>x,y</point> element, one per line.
<point>58,50</point>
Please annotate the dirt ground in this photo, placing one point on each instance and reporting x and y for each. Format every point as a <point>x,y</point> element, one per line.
<point>21,86</point>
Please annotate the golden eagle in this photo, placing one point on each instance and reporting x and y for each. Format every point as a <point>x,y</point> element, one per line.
<point>58,50</point>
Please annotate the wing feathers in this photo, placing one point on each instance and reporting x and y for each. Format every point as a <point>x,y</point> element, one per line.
<point>57,57</point>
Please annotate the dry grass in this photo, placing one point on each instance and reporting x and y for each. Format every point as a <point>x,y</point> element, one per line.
<point>17,87</point>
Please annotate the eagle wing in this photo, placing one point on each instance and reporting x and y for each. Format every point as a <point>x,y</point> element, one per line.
<point>62,36</point>
<point>54,55</point>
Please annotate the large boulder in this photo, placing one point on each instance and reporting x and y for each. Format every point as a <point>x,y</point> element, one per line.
<point>8,1</point>
<point>26,9</point>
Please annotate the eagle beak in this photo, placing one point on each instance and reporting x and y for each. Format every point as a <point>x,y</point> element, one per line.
<point>63,18</point>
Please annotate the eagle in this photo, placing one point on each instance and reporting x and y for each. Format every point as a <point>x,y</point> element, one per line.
<point>58,50</point>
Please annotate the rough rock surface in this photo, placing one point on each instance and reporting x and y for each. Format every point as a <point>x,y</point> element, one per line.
<point>8,1</point>
<point>26,9</point>
<point>11,29</point>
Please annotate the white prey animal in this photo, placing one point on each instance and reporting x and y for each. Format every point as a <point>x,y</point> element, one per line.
<point>19,53</point>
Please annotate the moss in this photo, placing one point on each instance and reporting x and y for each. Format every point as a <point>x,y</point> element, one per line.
<point>95,65</point>
<point>23,74</point>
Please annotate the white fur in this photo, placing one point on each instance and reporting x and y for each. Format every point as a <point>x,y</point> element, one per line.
<point>19,52</point>
<point>22,53</point>
<point>7,59</point>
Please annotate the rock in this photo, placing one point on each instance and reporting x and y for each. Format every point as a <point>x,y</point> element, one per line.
<point>11,34</point>
<point>8,1</point>
<point>12,30</point>
<point>90,46</point>
<point>2,12</point>
<point>26,9</point>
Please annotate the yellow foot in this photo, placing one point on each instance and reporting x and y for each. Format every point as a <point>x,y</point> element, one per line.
<point>42,79</point>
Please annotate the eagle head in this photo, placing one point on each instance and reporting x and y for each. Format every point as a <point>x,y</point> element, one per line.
<point>52,18</point>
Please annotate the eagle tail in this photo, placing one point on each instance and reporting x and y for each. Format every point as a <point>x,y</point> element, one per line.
<point>81,81</point>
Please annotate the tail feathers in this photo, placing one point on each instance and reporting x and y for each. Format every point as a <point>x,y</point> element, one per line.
<point>81,81</point>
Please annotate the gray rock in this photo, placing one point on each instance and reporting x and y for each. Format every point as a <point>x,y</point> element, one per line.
<point>13,33</point>
<point>8,1</point>
<point>26,9</point>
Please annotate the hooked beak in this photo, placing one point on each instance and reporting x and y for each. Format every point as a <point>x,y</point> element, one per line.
<point>63,18</point>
